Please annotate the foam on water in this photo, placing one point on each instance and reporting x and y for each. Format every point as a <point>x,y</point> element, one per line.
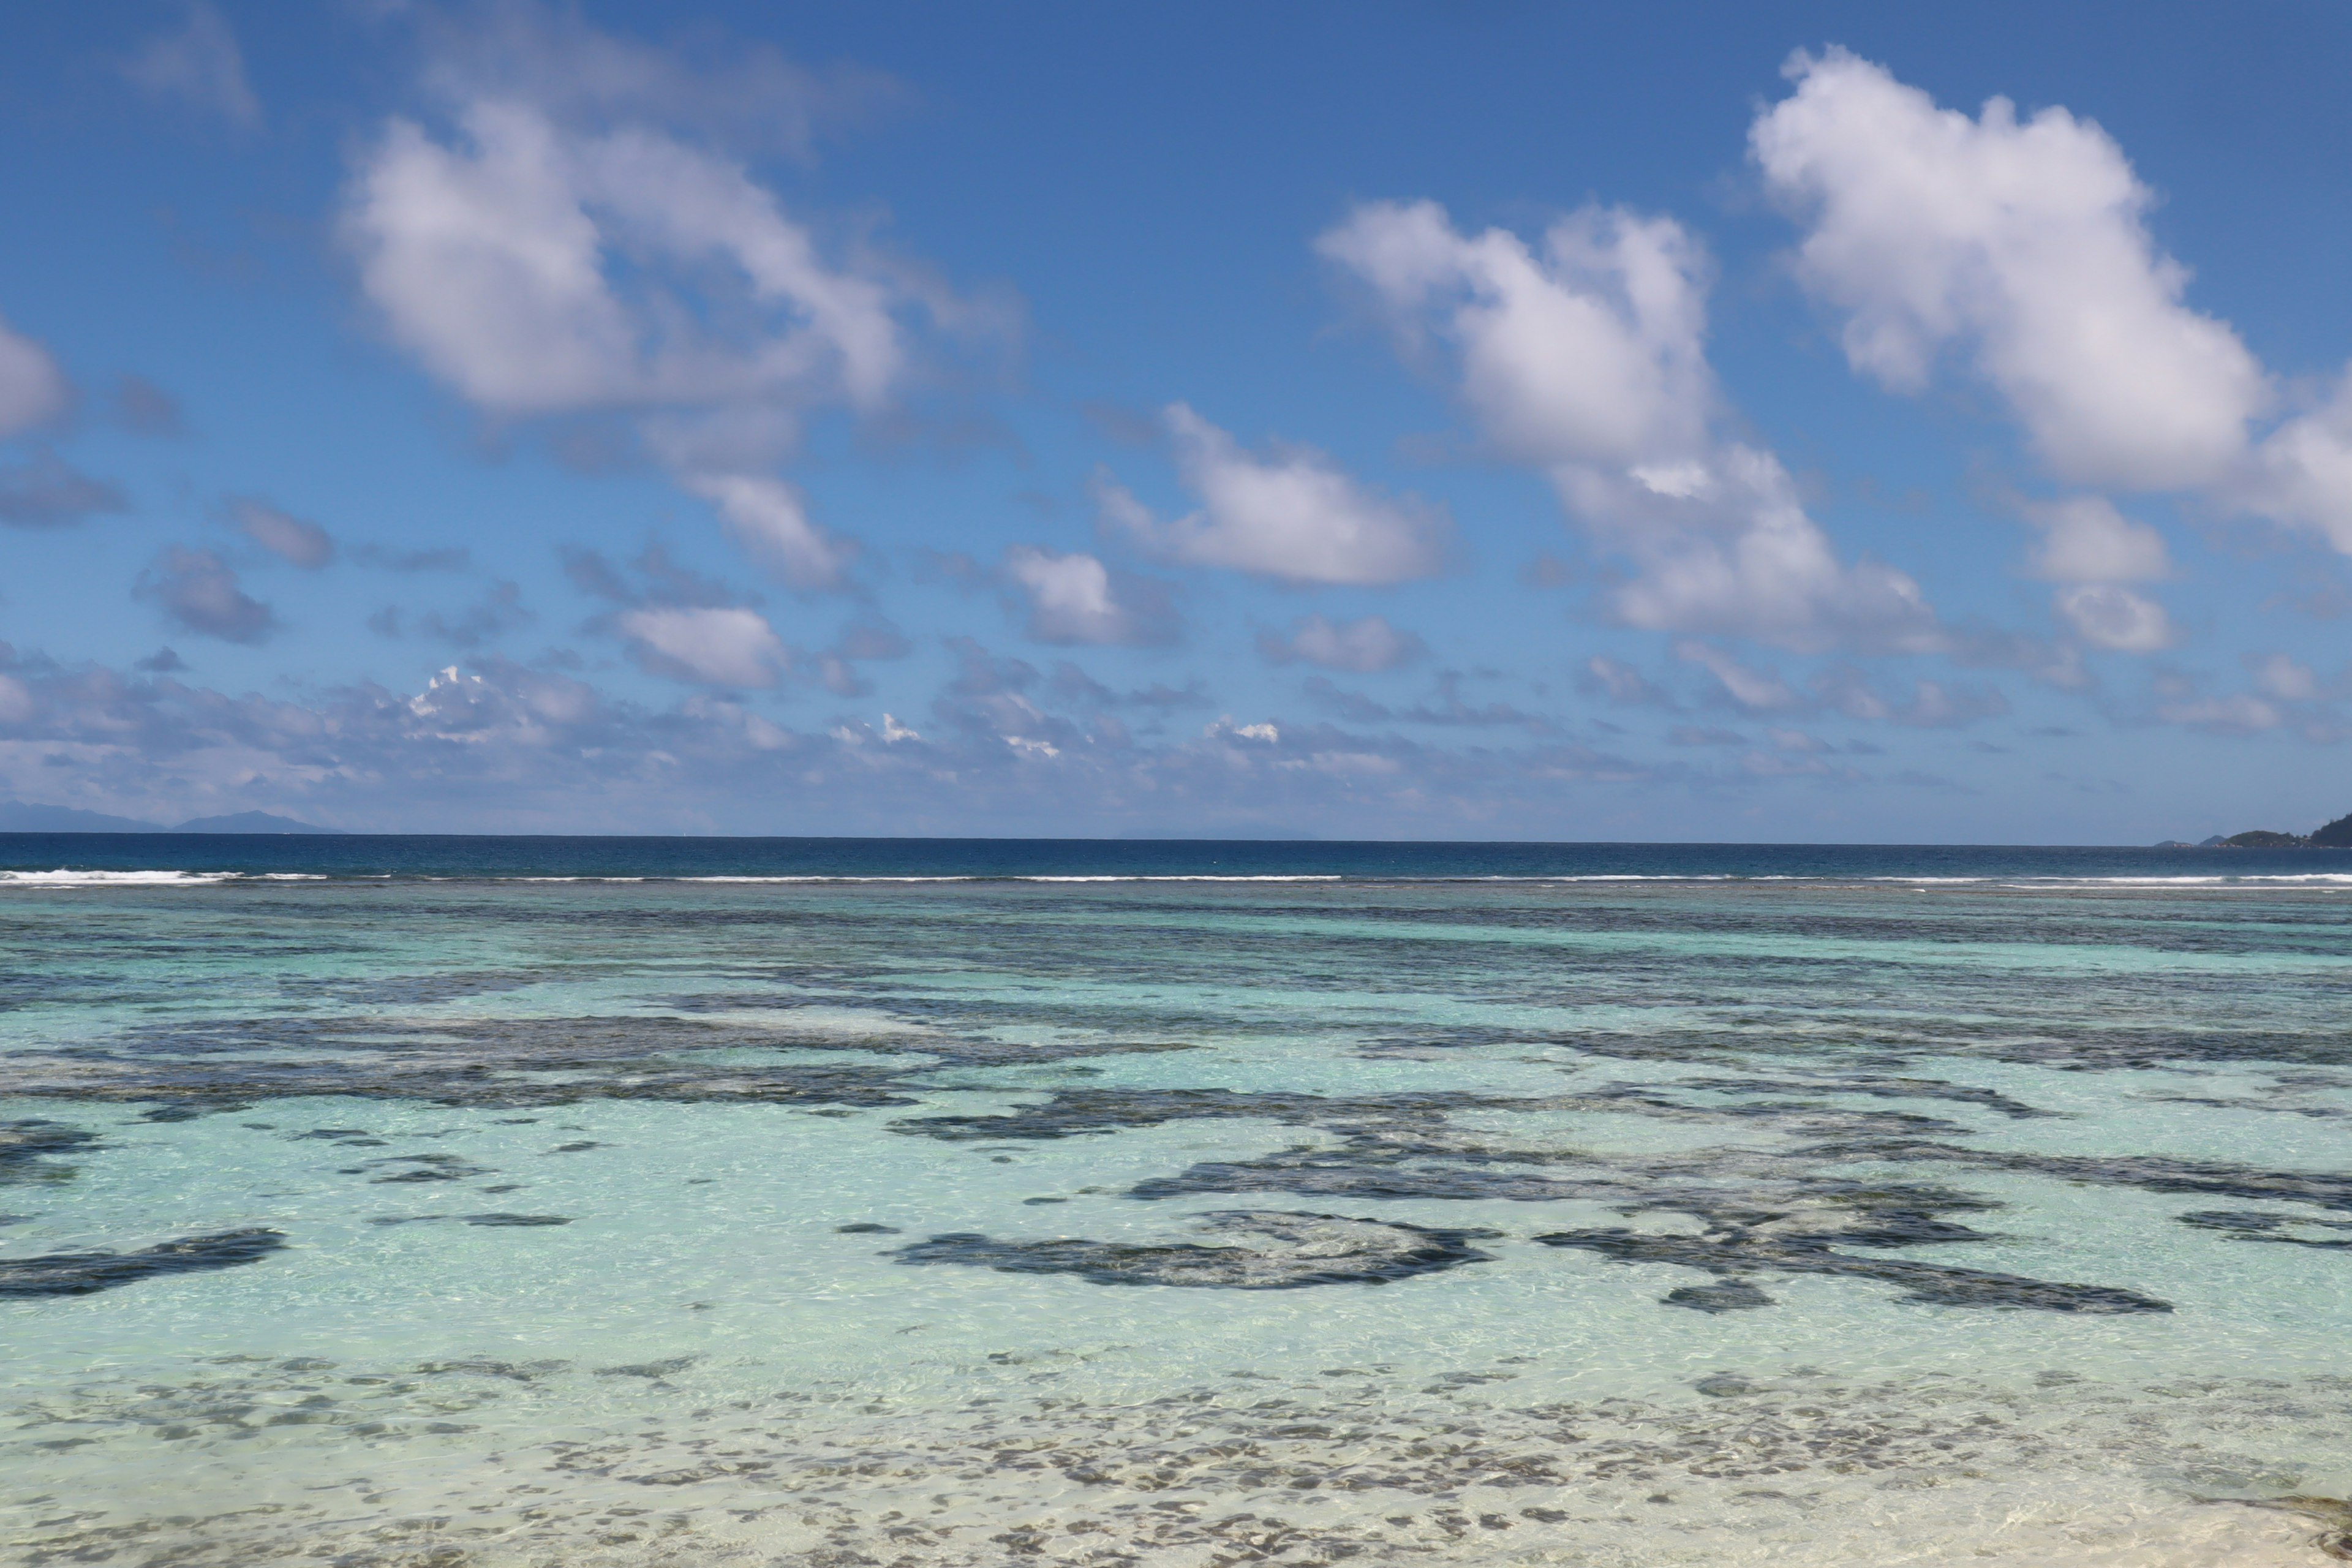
<point>1830,1222</point>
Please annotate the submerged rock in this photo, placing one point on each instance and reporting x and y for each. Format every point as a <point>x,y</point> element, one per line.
<point>421,1168</point>
<point>25,1144</point>
<point>1723,1296</point>
<point>1738,1254</point>
<point>2149,1172</point>
<point>2257,1225</point>
<point>86,1273</point>
<point>1071,1112</point>
<point>1275,1250</point>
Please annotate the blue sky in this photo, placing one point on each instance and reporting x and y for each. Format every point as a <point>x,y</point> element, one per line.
<point>1409,421</point>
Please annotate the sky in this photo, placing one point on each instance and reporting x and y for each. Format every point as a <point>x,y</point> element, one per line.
<point>1492,421</point>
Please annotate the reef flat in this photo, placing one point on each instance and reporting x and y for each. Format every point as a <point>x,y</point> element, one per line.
<point>1826,1220</point>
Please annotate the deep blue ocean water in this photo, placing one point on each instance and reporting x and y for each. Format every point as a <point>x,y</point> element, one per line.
<point>428,1201</point>
<point>365,854</point>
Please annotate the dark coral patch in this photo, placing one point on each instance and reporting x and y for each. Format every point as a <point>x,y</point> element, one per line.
<point>422,1168</point>
<point>1734,1256</point>
<point>2149,1172</point>
<point>1723,1296</point>
<point>1278,1251</point>
<point>2257,1225</point>
<point>85,1273</point>
<point>26,1147</point>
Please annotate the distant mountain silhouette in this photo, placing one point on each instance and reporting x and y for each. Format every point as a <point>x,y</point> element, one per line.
<point>249,822</point>
<point>17,816</point>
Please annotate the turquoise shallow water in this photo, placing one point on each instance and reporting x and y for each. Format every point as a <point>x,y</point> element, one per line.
<point>1843,1218</point>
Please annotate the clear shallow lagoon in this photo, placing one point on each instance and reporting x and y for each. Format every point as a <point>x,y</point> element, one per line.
<point>368,1203</point>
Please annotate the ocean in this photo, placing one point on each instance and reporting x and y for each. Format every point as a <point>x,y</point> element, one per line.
<point>601,1202</point>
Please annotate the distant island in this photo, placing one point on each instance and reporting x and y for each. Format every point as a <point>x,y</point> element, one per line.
<point>2336,834</point>
<point>18,816</point>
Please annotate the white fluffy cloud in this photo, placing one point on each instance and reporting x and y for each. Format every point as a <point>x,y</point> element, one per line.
<point>1587,353</point>
<point>1360,647</point>
<point>1586,358</point>
<point>2301,475</point>
<point>719,647</point>
<point>2285,678</point>
<point>2024,245</point>
<point>490,255</point>
<point>550,244</point>
<point>767,518</point>
<point>281,534</point>
<point>32,388</point>
<point>2114,617</point>
<point>1293,515</point>
<point>1072,599</point>
<point>2085,540</point>
<point>2022,248</point>
<point>199,592</point>
<point>1758,690</point>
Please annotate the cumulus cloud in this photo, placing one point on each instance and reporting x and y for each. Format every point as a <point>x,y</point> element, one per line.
<point>555,242</point>
<point>200,64</point>
<point>16,704</point>
<point>767,518</point>
<point>1758,690</point>
<point>47,492</point>
<point>1584,357</point>
<point>1075,598</point>
<point>1589,352</point>
<point>716,646</point>
<point>305,544</point>
<point>1291,514</point>
<point>2283,677</point>
<point>1361,648</point>
<point>2302,474</point>
<point>490,255</point>
<point>2024,247</point>
<point>33,390</point>
<point>2094,550</point>
<point>2021,249</point>
<point>198,592</point>
<point>2085,540</point>
<point>2107,616</point>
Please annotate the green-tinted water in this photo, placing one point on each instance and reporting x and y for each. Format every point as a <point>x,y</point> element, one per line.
<point>1811,1222</point>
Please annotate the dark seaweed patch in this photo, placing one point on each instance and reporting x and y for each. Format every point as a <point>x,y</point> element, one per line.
<point>1723,1296</point>
<point>85,1273</point>
<point>1734,1256</point>
<point>1278,1251</point>
<point>492,1219</point>
<point>425,1168</point>
<point>2255,1226</point>
<point>28,1149</point>
<point>2150,1173</point>
<point>1877,1086</point>
<point>1071,1112</point>
<point>1714,1190</point>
